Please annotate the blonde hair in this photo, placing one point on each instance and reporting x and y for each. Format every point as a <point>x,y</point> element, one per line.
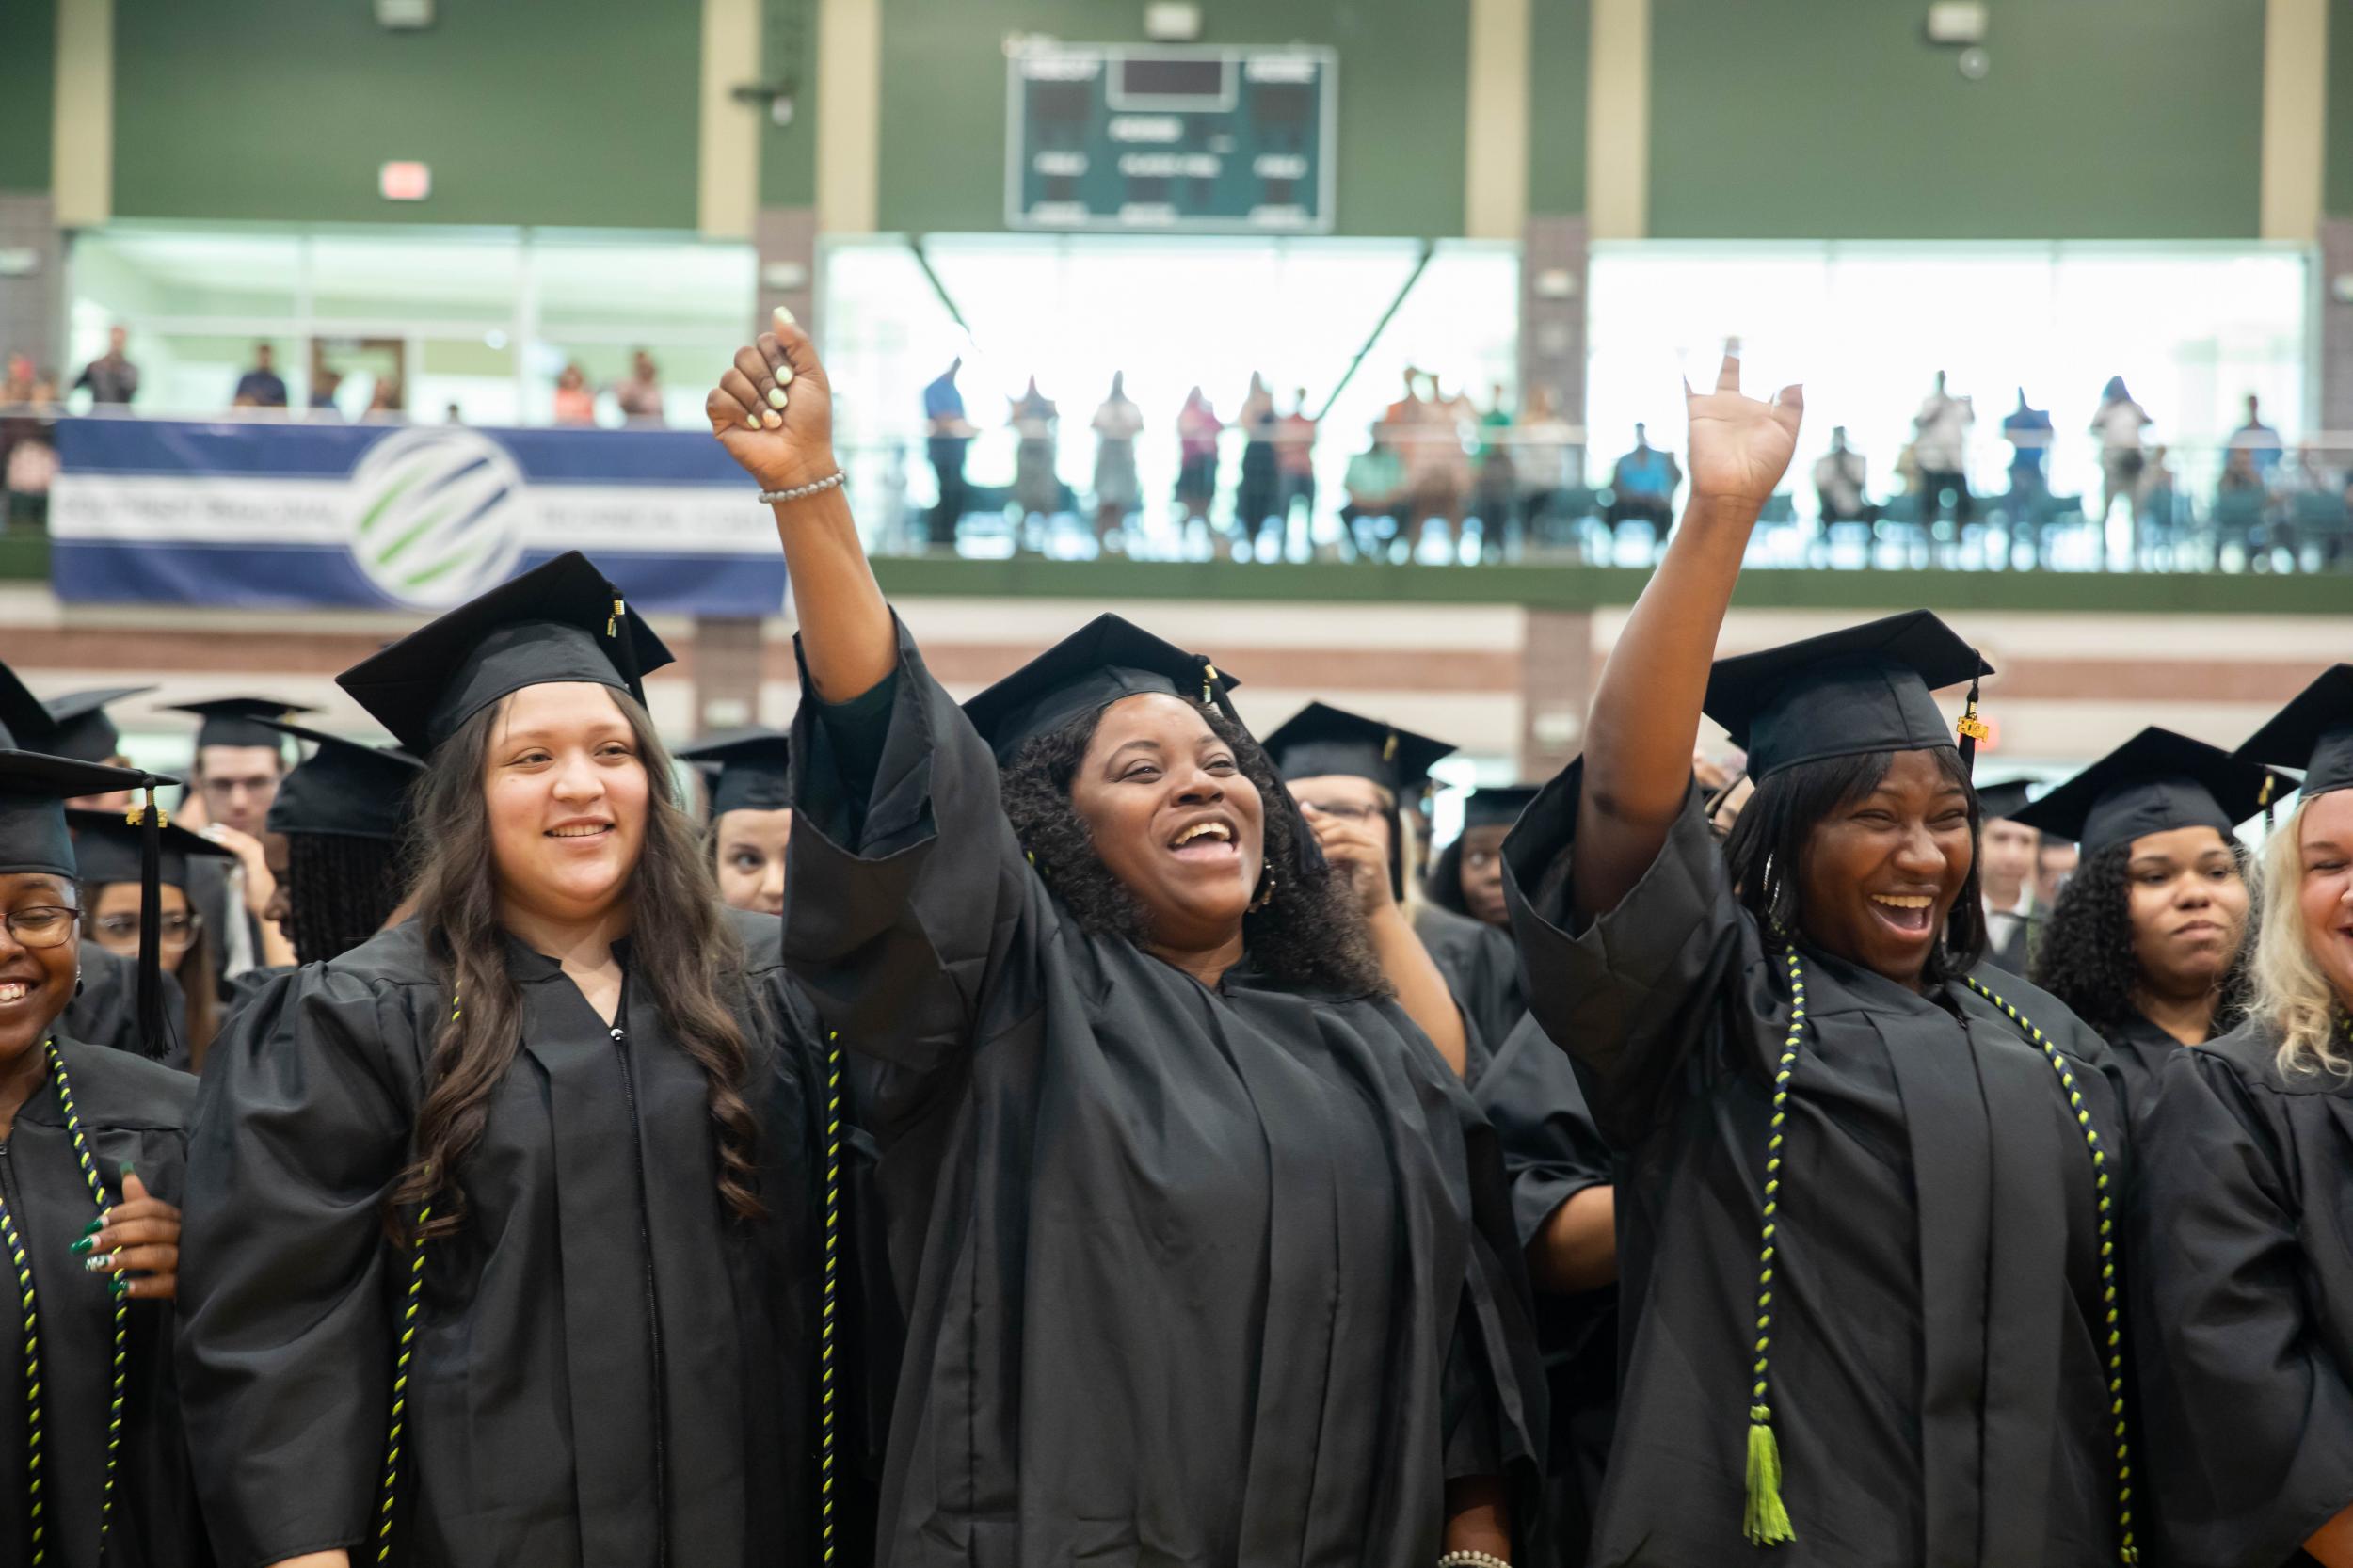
<point>2291,993</point>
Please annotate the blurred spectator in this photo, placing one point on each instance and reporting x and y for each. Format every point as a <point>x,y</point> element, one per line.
<point>1295,460</point>
<point>113,381</point>
<point>1406,412</point>
<point>1197,426</point>
<point>1841,483</point>
<point>1940,445</point>
<point>453,415</point>
<point>1254,495</point>
<point>29,453</point>
<point>2159,502</point>
<point>575,399</point>
<point>2238,473</point>
<point>2053,863</point>
<point>1437,466</point>
<point>1643,484</point>
<point>946,434</point>
<point>324,386</point>
<point>2259,440</point>
<point>385,402</point>
<point>1117,492</point>
<point>639,395</point>
<point>2028,431</point>
<point>1545,449</point>
<point>260,386</point>
<point>1494,477</point>
<point>1036,486</point>
<point>1376,485</point>
<point>2118,424</point>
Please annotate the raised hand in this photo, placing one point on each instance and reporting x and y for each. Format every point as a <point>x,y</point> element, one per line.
<point>1740,447</point>
<point>1356,850</point>
<point>773,410</point>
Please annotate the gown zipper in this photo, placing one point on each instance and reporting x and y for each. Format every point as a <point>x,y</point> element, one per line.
<point>653,1310</point>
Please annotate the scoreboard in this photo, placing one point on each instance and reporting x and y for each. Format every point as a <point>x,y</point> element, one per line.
<point>1144,137</point>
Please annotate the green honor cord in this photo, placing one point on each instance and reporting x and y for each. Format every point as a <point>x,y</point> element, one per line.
<point>389,1492</point>
<point>1765,1520</point>
<point>14,1242</point>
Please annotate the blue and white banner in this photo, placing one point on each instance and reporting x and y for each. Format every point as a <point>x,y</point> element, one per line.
<point>419,516</point>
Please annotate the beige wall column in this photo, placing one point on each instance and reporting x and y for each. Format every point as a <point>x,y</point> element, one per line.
<point>1494,162</point>
<point>1557,671</point>
<point>728,654</point>
<point>727,185</point>
<point>849,115</point>
<point>82,165</point>
<point>2295,116</point>
<point>1617,121</point>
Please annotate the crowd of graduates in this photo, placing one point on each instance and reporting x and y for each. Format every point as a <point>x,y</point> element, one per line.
<point>1066,1129</point>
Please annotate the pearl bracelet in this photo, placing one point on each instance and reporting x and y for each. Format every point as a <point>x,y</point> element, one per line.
<point>1471,1560</point>
<point>800,492</point>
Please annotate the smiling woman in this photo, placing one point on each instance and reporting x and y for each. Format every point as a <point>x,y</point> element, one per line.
<point>555,1150</point>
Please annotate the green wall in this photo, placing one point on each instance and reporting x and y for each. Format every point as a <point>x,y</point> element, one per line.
<point>2337,191</point>
<point>788,154</point>
<point>2101,119</point>
<point>579,112</point>
<point>28,91</point>
<point>1559,54</point>
<point>1403,73</point>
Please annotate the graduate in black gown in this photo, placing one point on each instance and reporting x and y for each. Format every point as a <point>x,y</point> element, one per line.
<point>2008,849</point>
<point>111,855</point>
<point>1464,922</point>
<point>343,814</point>
<point>2244,1235</point>
<point>1204,1249</point>
<point>2149,943</point>
<point>599,1324</point>
<point>1865,1193</point>
<point>241,761</point>
<point>93,1147</point>
<point>751,814</point>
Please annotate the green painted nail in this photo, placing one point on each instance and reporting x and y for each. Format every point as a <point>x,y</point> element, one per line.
<point>83,1245</point>
<point>127,1170</point>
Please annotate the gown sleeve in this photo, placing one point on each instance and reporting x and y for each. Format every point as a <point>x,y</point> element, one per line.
<point>912,897</point>
<point>1634,994</point>
<point>2250,1420</point>
<point>285,1333</point>
<point>1551,1149</point>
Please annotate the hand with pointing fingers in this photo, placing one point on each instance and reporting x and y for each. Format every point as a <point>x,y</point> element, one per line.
<point>773,408</point>
<point>1740,447</point>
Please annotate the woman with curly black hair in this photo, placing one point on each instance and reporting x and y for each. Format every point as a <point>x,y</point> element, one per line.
<point>2149,943</point>
<point>1205,1252</point>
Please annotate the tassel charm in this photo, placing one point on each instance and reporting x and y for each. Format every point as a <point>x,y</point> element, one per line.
<point>612,621</point>
<point>1765,1522</point>
<point>1208,681</point>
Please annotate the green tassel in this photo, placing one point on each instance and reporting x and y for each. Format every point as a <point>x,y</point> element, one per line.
<point>1766,1523</point>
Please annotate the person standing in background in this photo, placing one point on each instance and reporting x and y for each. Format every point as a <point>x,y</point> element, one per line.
<point>575,400</point>
<point>1940,446</point>
<point>2006,850</point>
<point>1496,485</point>
<point>946,434</point>
<point>640,394</point>
<point>111,378</point>
<point>1544,450</point>
<point>1295,464</point>
<point>1197,426</point>
<point>1117,494</point>
<point>1642,486</point>
<point>1036,485</point>
<point>2259,440</point>
<point>1255,497</point>
<point>2118,424</point>
<point>1840,483</point>
<point>261,387</point>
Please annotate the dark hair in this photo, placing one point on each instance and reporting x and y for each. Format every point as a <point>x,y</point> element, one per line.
<point>200,988</point>
<point>1771,839</point>
<point>340,890</point>
<point>1310,933</point>
<point>684,952</point>
<point>2085,958</point>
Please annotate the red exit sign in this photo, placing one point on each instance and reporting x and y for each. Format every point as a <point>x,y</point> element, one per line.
<point>404,181</point>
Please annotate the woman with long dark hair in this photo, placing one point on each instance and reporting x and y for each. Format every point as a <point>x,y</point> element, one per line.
<point>2245,1235</point>
<point>1204,1251</point>
<point>93,1461</point>
<point>510,1221</point>
<point>1864,1191</point>
<point>2149,943</point>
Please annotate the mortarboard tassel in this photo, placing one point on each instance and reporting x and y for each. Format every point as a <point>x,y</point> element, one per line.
<point>150,991</point>
<point>1973,729</point>
<point>2265,801</point>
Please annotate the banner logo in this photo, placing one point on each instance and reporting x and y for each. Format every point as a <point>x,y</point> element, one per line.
<point>437,515</point>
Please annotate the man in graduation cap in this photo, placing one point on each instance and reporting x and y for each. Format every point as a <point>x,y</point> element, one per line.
<point>2244,1255</point>
<point>1865,1187</point>
<point>239,763</point>
<point>2006,863</point>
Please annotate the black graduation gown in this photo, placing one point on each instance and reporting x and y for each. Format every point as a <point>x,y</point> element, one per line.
<point>609,1370</point>
<point>211,896</point>
<point>1551,1152</point>
<point>2243,1252</point>
<point>1937,1375</point>
<point>1189,1275</point>
<point>2141,1050</point>
<point>2016,951</point>
<point>1481,965</point>
<point>105,1010</point>
<point>134,1110</point>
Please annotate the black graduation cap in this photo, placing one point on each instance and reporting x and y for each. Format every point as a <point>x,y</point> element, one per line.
<point>239,721</point>
<point>1321,740</point>
<point>561,621</point>
<point>107,847</point>
<point>1496,805</point>
<point>2005,800</point>
<point>1106,659</point>
<point>80,725</point>
<point>33,788</point>
<point>1861,689</point>
<point>345,788</point>
<point>2313,733</point>
<point>755,770</point>
<point>2154,783</point>
<point>25,719</point>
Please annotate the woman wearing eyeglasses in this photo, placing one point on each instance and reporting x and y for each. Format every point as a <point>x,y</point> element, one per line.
<point>107,849</point>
